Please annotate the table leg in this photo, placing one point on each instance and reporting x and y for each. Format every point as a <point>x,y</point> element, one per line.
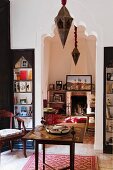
<point>72,155</point>
<point>24,148</point>
<point>36,155</point>
<point>87,122</point>
<point>43,156</point>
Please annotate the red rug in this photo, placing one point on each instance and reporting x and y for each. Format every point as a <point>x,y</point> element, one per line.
<point>61,161</point>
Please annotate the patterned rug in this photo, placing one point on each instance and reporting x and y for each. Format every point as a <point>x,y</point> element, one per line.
<point>61,161</point>
<point>89,137</point>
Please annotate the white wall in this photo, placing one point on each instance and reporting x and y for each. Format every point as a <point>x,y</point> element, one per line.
<point>31,19</point>
<point>61,61</point>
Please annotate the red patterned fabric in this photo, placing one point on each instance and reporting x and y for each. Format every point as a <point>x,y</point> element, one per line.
<point>75,120</point>
<point>52,118</point>
<point>61,161</point>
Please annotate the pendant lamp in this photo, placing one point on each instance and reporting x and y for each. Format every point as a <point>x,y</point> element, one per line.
<point>63,22</point>
<point>75,52</point>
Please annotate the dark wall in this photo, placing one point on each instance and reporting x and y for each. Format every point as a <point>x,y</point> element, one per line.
<point>5,62</point>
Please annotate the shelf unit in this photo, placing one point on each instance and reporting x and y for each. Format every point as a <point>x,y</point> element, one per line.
<point>23,95</point>
<point>108,101</point>
<point>57,100</point>
<point>23,87</point>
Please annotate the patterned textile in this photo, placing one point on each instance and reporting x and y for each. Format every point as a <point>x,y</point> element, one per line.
<point>7,132</point>
<point>75,119</point>
<point>60,161</point>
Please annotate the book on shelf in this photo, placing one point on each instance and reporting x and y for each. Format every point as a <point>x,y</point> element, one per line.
<point>23,75</point>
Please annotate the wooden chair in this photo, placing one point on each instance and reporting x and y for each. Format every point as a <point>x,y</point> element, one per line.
<point>12,134</point>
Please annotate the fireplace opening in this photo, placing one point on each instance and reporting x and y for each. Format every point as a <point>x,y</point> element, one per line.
<point>78,105</point>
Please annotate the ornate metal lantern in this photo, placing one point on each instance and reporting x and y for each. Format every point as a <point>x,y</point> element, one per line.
<point>63,21</point>
<point>75,52</point>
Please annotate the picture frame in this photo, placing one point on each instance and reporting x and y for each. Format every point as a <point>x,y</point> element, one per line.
<point>22,85</point>
<point>79,82</point>
<point>28,86</point>
<point>23,101</point>
<point>23,111</point>
<point>16,86</point>
<point>58,85</point>
<point>51,86</point>
<point>57,97</point>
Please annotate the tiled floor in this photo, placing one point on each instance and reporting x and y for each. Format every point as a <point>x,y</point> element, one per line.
<point>16,160</point>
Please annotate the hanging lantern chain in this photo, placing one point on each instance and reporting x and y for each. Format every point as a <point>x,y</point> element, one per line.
<point>75,32</point>
<point>75,52</point>
<point>63,2</point>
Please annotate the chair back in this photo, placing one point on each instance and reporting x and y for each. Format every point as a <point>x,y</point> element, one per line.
<point>6,114</point>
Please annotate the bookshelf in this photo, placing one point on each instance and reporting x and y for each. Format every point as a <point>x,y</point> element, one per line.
<point>108,101</point>
<point>23,88</point>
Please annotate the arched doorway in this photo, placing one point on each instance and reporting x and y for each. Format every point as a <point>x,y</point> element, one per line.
<point>58,61</point>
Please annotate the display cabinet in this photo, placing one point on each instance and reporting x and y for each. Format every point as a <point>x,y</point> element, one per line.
<point>108,101</point>
<point>57,100</point>
<point>23,86</point>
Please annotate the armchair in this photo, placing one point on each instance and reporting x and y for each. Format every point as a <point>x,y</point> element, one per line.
<point>11,134</point>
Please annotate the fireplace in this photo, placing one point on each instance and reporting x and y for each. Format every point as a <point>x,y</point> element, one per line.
<point>78,105</point>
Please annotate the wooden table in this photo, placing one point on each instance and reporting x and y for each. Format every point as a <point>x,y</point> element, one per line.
<point>40,136</point>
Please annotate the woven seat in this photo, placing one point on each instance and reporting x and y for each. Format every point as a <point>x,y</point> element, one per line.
<point>10,134</point>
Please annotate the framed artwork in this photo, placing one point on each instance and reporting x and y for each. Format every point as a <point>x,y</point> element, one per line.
<point>58,85</point>
<point>23,101</point>
<point>23,111</point>
<point>79,82</point>
<point>28,86</point>
<point>57,98</point>
<point>16,87</point>
<point>22,86</point>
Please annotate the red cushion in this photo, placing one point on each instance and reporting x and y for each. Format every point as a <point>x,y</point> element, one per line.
<point>75,120</point>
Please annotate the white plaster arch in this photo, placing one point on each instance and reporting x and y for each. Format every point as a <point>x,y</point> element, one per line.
<point>99,77</point>
<point>54,37</point>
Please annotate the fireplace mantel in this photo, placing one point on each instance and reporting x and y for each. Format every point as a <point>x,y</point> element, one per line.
<point>78,93</point>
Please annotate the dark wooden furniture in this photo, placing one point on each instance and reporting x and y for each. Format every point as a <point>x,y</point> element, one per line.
<point>40,136</point>
<point>57,100</point>
<point>108,101</point>
<point>10,134</point>
<point>24,88</point>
